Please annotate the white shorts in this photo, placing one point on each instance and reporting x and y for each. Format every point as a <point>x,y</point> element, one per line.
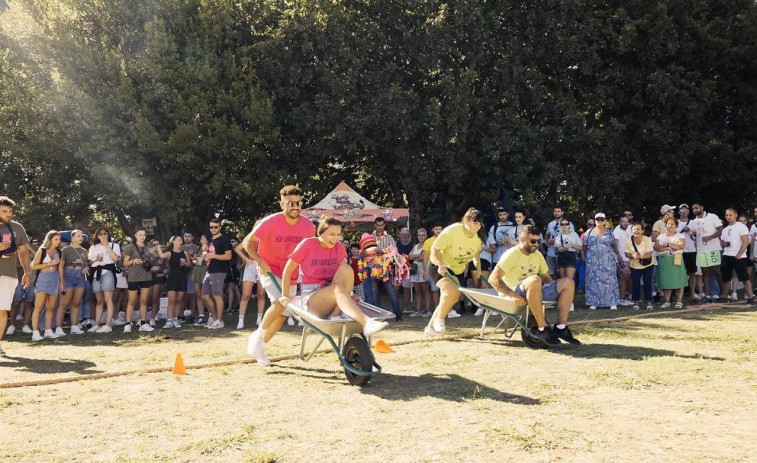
<point>251,272</point>
<point>7,290</point>
<point>273,291</point>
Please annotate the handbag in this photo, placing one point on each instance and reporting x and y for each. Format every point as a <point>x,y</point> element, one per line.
<point>642,261</point>
<point>117,263</point>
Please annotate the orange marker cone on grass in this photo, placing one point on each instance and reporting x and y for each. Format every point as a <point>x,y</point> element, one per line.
<point>383,347</point>
<point>178,366</point>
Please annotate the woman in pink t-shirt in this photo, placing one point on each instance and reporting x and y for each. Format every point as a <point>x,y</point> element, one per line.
<point>325,272</point>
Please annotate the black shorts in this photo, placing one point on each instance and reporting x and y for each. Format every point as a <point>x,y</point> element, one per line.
<point>485,266</point>
<point>566,259</point>
<point>731,263</point>
<point>690,262</point>
<point>177,283</point>
<point>137,285</point>
<point>158,280</point>
<point>433,273</point>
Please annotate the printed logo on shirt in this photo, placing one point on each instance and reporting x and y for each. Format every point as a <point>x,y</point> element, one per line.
<point>289,239</point>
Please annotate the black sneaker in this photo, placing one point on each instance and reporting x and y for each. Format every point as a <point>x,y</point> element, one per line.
<point>566,335</point>
<point>398,318</point>
<point>722,300</point>
<point>547,336</point>
<point>750,301</point>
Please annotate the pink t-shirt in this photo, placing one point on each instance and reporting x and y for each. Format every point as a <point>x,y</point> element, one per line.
<point>318,264</point>
<point>278,239</point>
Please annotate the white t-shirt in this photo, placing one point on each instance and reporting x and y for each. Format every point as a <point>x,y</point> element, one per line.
<point>664,240</point>
<point>689,245</point>
<point>554,229</point>
<point>99,249</point>
<point>753,232</point>
<point>497,233</point>
<point>732,234</point>
<point>564,240</point>
<point>706,226</point>
<point>622,236</point>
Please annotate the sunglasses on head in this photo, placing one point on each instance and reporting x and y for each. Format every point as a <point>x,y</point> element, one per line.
<point>293,203</point>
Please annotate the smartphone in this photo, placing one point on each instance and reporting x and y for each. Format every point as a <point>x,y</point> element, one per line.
<point>6,237</point>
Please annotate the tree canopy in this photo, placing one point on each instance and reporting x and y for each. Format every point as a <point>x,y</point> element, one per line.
<point>115,110</point>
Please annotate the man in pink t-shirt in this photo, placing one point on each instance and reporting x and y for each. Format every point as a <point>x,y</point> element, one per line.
<point>276,236</point>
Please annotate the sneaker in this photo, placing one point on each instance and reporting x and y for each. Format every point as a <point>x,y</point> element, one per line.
<point>479,313</point>
<point>76,330</point>
<point>565,335</point>
<point>59,332</point>
<point>427,314</point>
<point>290,321</point>
<point>259,319</point>
<point>734,296</point>
<point>373,326</point>
<point>453,314</point>
<point>119,322</point>
<point>439,326</point>
<point>417,313</point>
<point>707,300</point>
<point>695,297</point>
<point>613,307</point>
<point>430,332</point>
<point>127,328</point>
<point>199,322</point>
<point>216,325</point>
<point>104,329</point>
<point>650,307</point>
<point>301,323</point>
<point>592,307</point>
<point>11,330</point>
<point>26,329</point>
<point>36,336</point>
<point>94,329</point>
<point>240,325</point>
<point>636,307</point>
<point>665,305</point>
<point>547,336</point>
<point>398,318</point>
<point>256,348</point>
<point>750,301</point>
<point>679,305</point>
<point>168,325</point>
<point>625,302</point>
<point>145,327</point>
<point>152,323</point>
<point>722,300</point>
<point>49,334</point>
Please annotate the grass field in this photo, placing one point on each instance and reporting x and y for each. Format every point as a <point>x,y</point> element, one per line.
<point>672,387</point>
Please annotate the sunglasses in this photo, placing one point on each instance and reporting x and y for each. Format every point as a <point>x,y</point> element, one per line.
<point>214,227</point>
<point>599,220</point>
<point>293,203</point>
<point>536,241</point>
<point>566,224</point>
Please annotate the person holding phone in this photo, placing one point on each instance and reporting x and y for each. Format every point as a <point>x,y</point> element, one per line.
<point>14,248</point>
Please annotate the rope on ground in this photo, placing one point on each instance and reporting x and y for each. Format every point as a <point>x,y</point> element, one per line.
<point>71,379</point>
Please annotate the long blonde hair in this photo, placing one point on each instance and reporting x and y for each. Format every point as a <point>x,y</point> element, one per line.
<point>49,239</point>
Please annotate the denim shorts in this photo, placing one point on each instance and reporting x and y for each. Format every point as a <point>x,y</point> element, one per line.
<point>107,282</point>
<point>48,283</point>
<point>73,278</point>
<point>548,292</point>
<point>22,294</point>
<point>212,284</point>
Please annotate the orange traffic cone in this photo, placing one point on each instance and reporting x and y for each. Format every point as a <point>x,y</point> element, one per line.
<point>178,366</point>
<point>383,347</point>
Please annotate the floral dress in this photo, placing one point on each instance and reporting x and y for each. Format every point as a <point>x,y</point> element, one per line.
<point>601,264</point>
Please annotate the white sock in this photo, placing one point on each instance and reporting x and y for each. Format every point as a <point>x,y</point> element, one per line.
<point>560,326</point>
<point>241,317</point>
<point>541,328</point>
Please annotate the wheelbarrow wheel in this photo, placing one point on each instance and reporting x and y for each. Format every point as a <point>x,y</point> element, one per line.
<point>533,343</point>
<point>358,354</point>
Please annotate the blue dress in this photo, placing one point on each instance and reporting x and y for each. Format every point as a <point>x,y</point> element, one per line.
<point>601,269</point>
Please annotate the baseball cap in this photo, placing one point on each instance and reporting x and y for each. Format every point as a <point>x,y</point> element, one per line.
<point>683,206</point>
<point>666,208</point>
<point>599,215</point>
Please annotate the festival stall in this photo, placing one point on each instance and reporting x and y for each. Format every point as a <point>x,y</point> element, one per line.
<point>356,212</point>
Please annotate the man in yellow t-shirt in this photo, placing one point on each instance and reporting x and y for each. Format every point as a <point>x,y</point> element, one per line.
<point>523,275</point>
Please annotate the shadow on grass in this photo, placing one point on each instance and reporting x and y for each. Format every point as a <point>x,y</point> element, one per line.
<point>49,366</point>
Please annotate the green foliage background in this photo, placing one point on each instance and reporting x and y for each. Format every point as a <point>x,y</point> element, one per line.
<point>115,110</point>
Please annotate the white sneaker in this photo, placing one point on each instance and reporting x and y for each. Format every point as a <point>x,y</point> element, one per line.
<point>290,321</point>
<point>152,323</point>
<point>592,307</point>
<point>59,332</point>
<point>373,326</point>
<point>26,329</point>
<point>176,323</point>
<point>104,329</point>
<point>218,324</point>
<point>301,323</point>
<point>613,307</point>
<point>625,302</point>
<point>256,348</point>
<point>439,326</point>
<point>127,328</point>
<point>94,329</point>
<point>211,320</point>
<point>36,336</point>
<point>702,296</point>
<point>49,334</point>
<point>417,313</point>
<point>479,313</point>
<point>168,325</point>
<point>119,322</point>
<point>650,307</point>
<point>259,319</point>
<point>11,330</point>
<point>240,325</point>
<point>734,296</point>
<point>427,314</point>
<point>145,327</point>
<point>430,332</point>
<point>695,297</point>
<point>572,307</point>
<point>665,305</point>
<point>76,330</point>
<point>453,314</point>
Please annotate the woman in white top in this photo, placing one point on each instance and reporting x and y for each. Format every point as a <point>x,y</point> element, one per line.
<point>103,254</point>
<point>419,278</point>
<point>567,245</point>
<point>671,273</point>
<point>47,264</point>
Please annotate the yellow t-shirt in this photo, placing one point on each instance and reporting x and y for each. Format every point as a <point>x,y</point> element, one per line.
<point>456,247</point>
<point>518,266</point>
<point>427,244</point>
<point>644,247</point>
